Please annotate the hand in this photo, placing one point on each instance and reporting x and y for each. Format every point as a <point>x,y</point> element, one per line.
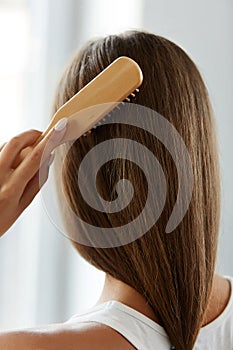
<point>20,182</point>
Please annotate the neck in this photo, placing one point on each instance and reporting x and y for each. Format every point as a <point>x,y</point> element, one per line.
<point>116,290</point>
<point>122,292</point>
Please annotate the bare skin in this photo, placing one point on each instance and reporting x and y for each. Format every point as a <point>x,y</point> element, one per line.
<point>93,336</point>
<point>19,184</point>
<point>117,290</point>
<point>21,172</point>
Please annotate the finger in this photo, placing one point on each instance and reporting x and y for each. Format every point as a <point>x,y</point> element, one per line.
<point>12,149</point>
<point>31,164</point>
<point>2,146</point>
<point>35,184</point>
<point>54,138</point>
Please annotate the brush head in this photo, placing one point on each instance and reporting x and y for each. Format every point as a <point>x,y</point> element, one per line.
<point>130,99</point>
<point>115,84</point>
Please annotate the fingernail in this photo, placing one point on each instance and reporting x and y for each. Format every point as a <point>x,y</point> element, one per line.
<point>61,125</point>
<point>51,159</point>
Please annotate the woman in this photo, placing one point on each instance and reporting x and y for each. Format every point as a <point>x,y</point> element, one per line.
<point>161,290</point>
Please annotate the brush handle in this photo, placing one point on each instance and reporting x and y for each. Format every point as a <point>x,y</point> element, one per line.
<point>101,95</point>
<point>113,85</point>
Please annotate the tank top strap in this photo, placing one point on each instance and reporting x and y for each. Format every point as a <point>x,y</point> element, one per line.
<point>138,329</point>
<point>145,334</point>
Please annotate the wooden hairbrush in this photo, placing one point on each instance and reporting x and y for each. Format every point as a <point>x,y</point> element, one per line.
<point>115,84</point>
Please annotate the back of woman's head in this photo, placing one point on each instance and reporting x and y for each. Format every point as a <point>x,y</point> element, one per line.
<point>174,272</point>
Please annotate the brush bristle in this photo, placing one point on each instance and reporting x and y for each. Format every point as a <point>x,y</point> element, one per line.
<point>131,98</point>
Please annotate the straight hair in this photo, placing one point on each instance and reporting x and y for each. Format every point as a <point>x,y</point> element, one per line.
<point>174,272</point>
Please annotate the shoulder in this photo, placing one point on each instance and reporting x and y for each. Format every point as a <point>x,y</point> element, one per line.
<point>85,336</point>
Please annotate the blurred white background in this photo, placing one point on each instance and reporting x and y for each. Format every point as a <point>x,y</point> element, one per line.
<point>42,278</point>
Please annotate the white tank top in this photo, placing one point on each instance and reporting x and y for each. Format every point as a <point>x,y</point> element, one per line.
<point>145,334</point>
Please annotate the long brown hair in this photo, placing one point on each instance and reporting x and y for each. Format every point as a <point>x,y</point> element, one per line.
<point>174,272</point>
